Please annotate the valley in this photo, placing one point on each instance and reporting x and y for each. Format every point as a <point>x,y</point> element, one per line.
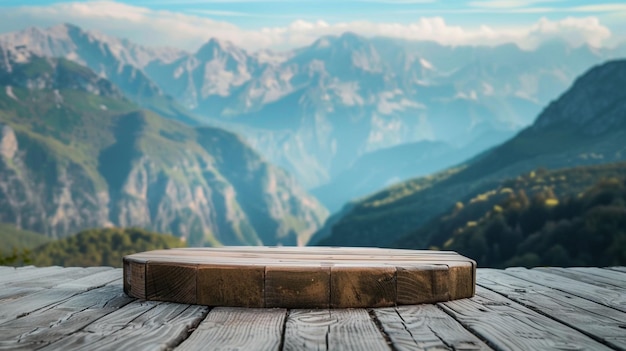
<point>348,141</point>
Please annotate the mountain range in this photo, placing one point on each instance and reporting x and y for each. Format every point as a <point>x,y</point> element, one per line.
<point>584,126</point>
<point>76,153</point>
<point>315,110</point>
<point>99,131</point>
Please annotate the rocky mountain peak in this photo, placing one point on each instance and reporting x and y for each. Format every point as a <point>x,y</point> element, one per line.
<point>216,48</point>
<point>594,104</point>
<point>351,39</point>
<point>54,74</point>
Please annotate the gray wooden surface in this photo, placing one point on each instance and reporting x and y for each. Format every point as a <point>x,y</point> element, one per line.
<point>65,309</point>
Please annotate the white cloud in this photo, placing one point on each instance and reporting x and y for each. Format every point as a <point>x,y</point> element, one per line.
<point>187,31</point>
<point>600,8</point>
<point>504,4</point>
<point>576,31</point>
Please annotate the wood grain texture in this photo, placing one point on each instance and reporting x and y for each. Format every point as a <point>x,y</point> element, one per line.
<point>293,288</point>
<point>426,321</point>
<point>47,326</point>
<point>462,279</point>
<point>307,330</point>
<point>106,327</point>
<point>510,326</point>
<point>21,275</point>
<point>354,329</point>
<point>135,278</point>
<point>18,289</point>
<point>403,340</point>
<point>600,322</point>
<point>161,327</point>
<point>597,276</point>
<point>352,287</point>
<point>231,286</point>
<point>228,328</point>
<point>508,313</point>
<point>618,269</point>
<point>607,297</point>
<point>11,309</point>
<point>298,277</point>
<point>422,284</point>
<point>171,282</point>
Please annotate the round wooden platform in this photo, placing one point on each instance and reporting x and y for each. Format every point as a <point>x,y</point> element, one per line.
<point>299,277</point>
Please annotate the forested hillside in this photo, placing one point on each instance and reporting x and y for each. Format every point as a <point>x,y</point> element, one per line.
<point>571,217</point>
<point>101,247</point>
<point>585,126</point>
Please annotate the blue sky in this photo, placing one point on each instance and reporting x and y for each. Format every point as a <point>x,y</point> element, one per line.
<point>283,24</point>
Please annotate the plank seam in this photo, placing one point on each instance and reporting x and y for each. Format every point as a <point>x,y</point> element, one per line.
<point>584,277</point>
<point>563,291</point>
<point>94,321</point>
<point>380,328</point>
<point>614,269</point>
<point>192,328</point>
<point>284,331</point>
<point>537,310</point>
<point>470,330</point>
<point>56,303</point>
<point>405,326</point>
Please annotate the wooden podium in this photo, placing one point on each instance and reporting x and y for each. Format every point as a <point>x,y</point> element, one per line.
<point>299,277</point>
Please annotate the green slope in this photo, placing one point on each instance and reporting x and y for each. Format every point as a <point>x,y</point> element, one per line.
<point>14,238</point>
<point>569,217</point>
<point>76,154</point>
<point>101,247</point>
<point>585,126</point>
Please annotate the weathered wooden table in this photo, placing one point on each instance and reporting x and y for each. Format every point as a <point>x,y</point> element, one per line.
<point>57,308</point>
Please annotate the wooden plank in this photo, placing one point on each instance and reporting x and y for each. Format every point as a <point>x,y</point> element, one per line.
<point>425,321</point>
<point>171,282</point>
<point>422,284</point>
<point>600,322</point>
<point>12,293</point>
<point>307,330</point>
<point>6,271</point>
<point>231,328</point>
<point>12,309</point>
<point>56,277</point>
<point>354,329</point>
<point>507,325</point>
<point>611,298</point>
<point>47,326</point>
<point>231,287</point>
<point>161,326</point>
<point>393,326</point>
<point>21,275</point>
<point>352,287</point>
<point>29,283</point>
<point>292,288</point>
<point>311,277</point>
<point>135,278</point>
<point>104,327</point>
<point>597,276</point>
<point>618,268</point>
<point>462,279</point>
<point>22,288</point>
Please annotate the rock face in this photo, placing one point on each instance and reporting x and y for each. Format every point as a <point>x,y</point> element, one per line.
<point>585,126</point>
<point>315,110</point>
<point>76,157</point>
<point>8,142</point>
<point>118,61</point>
<point>593,106</point>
